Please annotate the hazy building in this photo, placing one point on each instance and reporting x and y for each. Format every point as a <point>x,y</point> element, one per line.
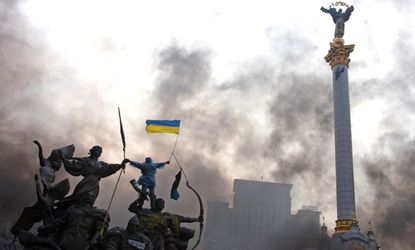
<point>260,218</point>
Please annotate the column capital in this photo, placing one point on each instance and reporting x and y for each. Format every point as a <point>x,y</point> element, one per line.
<point>339,53</point>
<point>345,225</point>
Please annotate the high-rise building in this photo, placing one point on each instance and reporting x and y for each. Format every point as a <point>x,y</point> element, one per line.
<point>260,218</point>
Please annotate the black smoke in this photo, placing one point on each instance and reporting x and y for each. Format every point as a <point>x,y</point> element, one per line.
<point>40,100</point>
<point>272,119</point>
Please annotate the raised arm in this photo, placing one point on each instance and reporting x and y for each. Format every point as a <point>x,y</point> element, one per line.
<point>348,12</point>
<point>41,158</point>
<point>324,10</point>
<point>161,164</point>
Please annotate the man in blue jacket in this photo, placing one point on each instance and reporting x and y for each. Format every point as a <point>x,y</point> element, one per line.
<point>148,176</point>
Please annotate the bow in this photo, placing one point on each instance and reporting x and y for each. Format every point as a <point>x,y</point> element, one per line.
<point>201,213</point>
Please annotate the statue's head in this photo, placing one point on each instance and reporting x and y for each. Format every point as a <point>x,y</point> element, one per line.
<point>133,224</point>
<point>95,151</point>
<point>340,10</point>
<point>148,160</point>
<point>159,204</point>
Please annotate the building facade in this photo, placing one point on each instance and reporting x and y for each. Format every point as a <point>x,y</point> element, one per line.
<point>260,218</point>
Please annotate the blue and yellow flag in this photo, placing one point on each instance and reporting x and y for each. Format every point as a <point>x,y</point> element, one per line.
<point>163,126</point>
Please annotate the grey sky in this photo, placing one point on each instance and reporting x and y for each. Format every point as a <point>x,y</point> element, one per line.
<point>248,80</point>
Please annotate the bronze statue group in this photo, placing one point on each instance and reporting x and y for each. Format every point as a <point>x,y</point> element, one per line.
<point>72,221</point>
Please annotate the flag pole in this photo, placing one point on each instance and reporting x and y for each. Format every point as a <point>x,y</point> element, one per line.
<point>119,176</point>
<point>180,166</point>
<point>174,147</point>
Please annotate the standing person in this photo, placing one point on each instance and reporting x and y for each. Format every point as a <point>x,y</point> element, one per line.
<point>148,176</point>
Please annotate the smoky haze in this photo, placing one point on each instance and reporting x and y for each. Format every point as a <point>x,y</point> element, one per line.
<point>271,119</point>
<point>41,100</point>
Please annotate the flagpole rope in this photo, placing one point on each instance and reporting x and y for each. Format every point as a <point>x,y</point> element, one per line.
<point>174,147</point>
<point>184,174</point>
<point>116,185</point>
<point>113,193</point>
<point>112,198</point>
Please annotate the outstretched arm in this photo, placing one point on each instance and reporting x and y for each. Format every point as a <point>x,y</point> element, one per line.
<point>190,220</point>
<point>324,10</point>
<point>161,164</point>
<point>108,169</point>
<point>136,164</point>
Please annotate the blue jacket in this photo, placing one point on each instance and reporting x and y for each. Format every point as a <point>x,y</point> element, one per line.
<point>148,172</point>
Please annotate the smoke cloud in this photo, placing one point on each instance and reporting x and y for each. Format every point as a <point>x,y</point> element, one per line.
<point>271,118</point>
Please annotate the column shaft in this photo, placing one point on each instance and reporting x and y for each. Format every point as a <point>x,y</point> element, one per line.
<point>343,143</point>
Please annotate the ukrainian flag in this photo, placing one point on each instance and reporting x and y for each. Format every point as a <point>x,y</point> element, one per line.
<point>163,126</point>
